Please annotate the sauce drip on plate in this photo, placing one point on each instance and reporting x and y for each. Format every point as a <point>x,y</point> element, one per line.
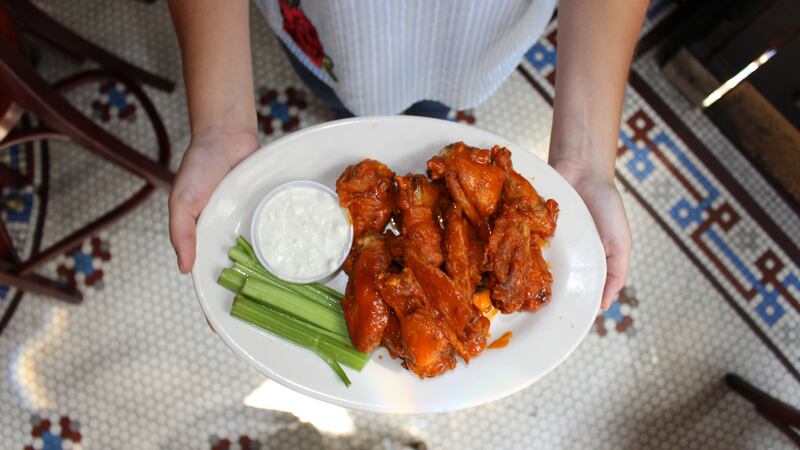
<point>502,341</point>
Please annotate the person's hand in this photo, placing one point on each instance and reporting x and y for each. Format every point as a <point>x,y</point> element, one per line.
<point>595,47</point>
<point>210,156</point>
<point>605,204</point>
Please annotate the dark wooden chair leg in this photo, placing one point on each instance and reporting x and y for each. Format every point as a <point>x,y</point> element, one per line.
<point>39,98</point>
<point>11,178</point>
<point>41,285</point>
<point>782,427</point>
<point>86,232</point>
<point>18,137</point>
<point>10,119</point>
<point>40,24</point>
<point>9,259</point>
<point>783,416</point>
<point>43,41</point>
<point>162,139</point>
<point>8,254</point>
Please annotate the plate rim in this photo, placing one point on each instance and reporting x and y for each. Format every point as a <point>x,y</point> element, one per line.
<point>377,407</point>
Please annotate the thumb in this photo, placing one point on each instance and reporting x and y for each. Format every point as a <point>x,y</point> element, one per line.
<point>617,260</point>
<point>182,223</point>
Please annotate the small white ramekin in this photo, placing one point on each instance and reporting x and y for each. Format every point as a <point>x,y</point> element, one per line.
<point>254,238</point>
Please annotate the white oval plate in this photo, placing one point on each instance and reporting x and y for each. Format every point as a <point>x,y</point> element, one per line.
<point>540,342</point>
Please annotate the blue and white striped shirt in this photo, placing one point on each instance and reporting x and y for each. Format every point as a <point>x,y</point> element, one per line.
<point>390,54</point>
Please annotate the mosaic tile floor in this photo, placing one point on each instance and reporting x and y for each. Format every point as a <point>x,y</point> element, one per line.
<point>714,288</point>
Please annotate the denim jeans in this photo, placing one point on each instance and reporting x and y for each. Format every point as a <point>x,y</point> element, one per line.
<point>425,108</point>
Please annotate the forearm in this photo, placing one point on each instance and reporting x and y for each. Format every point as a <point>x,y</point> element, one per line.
<point>214,36</point>
<point>596,40</point>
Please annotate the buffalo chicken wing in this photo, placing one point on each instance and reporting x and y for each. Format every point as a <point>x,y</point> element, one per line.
<point>418,201</point>
<point>367,191</point>
<point>463,251</point>
<point>473,182</point>
<point>457,311</point>
<point>519,278</point>
<point>364,310</point>
<point>424,339</point>
<point>519,191</point>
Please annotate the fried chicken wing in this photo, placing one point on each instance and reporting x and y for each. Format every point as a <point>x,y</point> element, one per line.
<point>516,189</point>
<point>364,310</point>
<point>540,281</point>
<point>463,251</point>
<point>367,191</point>
<point>392,339</point>
<point>395,245</point>
<point>457,311</point>
<point>418,201</point>
<point>509,261</point>
<point>425,341</point>
<point>473,182</point>
<point>519,278</point>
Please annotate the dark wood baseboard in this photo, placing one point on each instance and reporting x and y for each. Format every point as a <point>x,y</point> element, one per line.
<point>747,118</point>
<point>762,132</point>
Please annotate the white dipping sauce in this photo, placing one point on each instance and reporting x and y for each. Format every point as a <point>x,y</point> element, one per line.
<point>303,233</point>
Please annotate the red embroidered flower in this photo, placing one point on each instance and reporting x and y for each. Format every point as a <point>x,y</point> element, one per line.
<point>304,34</point>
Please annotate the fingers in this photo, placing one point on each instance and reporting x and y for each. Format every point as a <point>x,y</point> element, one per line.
<point>605,204</point>
<point>182,223</point>
<point>210,156</point>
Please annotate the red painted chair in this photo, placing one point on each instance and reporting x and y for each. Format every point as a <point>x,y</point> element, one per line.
<point>23,90</point>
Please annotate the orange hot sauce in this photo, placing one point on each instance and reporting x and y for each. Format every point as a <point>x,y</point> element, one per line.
<point>502,341</point>
<point>484,303</point>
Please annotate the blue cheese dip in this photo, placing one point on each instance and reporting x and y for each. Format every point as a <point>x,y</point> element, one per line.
<point>303,234</point>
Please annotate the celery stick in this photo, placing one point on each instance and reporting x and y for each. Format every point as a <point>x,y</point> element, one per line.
<point>252,272</point>
<point>300,324</point>
<point>329,291</point>
<point>237,254</point>
<point>250,312</point>
<point>346,355</point>
<point>275,322</point>
<point>336,368</point>
<point>316,291</point>
<point>260,274</point>
<point>295,305</point>
<point>249,259</point>
<point>242,242</point>
<point>231,279</point>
